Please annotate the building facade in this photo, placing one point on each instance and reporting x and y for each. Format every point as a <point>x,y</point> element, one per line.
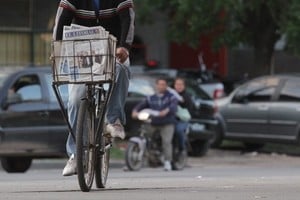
<point>26,31</point>
<point>26,35</point>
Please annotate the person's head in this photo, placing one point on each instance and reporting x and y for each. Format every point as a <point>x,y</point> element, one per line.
<point>179,84</point>
<point>161,85</point>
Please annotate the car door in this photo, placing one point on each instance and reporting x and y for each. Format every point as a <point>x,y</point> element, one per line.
<point>285,111</point>
<point>247,114</point>
<point>57,126</point>
<point>25,117</point>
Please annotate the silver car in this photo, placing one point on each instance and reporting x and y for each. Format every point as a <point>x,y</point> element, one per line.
<point>265,109</point>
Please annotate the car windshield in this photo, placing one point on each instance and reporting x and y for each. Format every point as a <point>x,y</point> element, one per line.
<point>193,88</point>
<point>5,72</point>
<point>2,79</point>
<point>141,86</point>
<point>3,76</point>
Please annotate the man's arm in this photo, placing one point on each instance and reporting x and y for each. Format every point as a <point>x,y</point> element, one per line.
<point>126,14</point>
<point>64,16</point>
<point>172,108</point>
<point>143,104</point>
<point>173,105</point>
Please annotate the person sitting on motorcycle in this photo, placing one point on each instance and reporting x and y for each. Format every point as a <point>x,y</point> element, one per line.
<point>166,103</point>
<point>185,102</point>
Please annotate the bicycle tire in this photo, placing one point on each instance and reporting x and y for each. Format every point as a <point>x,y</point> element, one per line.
<point>102,164</point>
<point>85,146</point>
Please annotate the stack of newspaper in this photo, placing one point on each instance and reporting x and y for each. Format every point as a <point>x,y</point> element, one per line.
<point>86,54</point>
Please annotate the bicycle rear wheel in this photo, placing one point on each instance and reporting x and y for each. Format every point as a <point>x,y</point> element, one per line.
<point>85,146</point>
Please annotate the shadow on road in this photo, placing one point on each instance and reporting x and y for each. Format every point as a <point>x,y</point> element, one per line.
<point>269,148</point>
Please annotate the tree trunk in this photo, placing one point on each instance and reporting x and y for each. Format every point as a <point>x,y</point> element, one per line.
<point>262,31</point>
<point>262,60</point>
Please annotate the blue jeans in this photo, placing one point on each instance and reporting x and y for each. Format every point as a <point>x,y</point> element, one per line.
<point>115,107</point>
<point>180,132</point>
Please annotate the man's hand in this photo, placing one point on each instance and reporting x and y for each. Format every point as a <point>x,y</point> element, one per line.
<point>122,54</point>
<point>164,112</point>
<point>51,57</point>
<point>134,114</point>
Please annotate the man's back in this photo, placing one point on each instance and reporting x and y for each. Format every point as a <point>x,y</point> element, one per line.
<point>116,16</point>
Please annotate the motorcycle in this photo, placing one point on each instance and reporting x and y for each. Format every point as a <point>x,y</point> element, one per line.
<point>144,148</point>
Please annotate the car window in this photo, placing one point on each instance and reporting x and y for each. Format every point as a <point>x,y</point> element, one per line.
<point>195,91</point>
<point>264,94</point>
<point>192,88</point>
<point>139,87</point>
<point>63,89</point>
<point>257,87</point>
<point>290,91</point>
<point>28,88</point>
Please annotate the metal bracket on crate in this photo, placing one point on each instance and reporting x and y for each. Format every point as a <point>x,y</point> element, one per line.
<point>82,61</point>
<point>63,109</point>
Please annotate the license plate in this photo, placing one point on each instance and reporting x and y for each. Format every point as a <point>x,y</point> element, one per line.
<point>197,127</point>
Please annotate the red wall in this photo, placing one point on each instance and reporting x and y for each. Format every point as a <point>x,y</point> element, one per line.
<point>182,56</point>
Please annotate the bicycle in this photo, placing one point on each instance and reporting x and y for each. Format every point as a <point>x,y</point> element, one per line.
<point>92,147</point>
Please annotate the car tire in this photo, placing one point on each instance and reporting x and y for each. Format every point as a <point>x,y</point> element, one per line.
<point>217,138</point>
<point>16,164</point>
<point>199,148</point>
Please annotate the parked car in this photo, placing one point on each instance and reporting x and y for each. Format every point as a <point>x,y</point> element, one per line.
<point>205,80</point>
<point>265,109</point>
<point>202,125</point>
<point>32,125</point>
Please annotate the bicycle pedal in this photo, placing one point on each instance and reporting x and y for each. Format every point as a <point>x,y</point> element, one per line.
<point>108,146</point>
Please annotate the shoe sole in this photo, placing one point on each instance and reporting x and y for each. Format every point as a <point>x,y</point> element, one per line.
<point>72,174</point>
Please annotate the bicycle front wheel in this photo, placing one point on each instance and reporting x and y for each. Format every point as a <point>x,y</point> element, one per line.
<point>85,146</point>
<point>102,163</point>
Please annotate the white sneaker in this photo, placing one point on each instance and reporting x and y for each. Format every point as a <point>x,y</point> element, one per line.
<point>115,130</point>
<point>70,168</point>
<point>167,166</point>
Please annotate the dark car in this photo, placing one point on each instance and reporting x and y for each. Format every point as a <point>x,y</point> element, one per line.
<point>201,126</point>
<point>266,109</point>
<point>207,81</point>
<point>31,124</point>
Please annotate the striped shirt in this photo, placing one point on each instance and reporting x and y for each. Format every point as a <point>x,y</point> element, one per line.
<point>116,16</point>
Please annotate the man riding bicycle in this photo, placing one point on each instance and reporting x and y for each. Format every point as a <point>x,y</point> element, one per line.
<point>117,17</point>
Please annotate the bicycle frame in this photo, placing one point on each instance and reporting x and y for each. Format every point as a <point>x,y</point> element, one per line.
<point>90,95</point>
<point>92,152</point>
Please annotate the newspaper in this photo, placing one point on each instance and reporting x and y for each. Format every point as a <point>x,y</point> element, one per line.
<point>85,54</point>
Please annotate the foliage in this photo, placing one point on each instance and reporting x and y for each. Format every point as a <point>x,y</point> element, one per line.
<point>291,26</point>
<point>256,23</point>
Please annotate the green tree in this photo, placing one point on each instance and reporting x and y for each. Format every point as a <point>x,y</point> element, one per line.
<point>256,23</point>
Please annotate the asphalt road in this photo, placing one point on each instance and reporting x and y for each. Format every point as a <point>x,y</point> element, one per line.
<point>227,175</point>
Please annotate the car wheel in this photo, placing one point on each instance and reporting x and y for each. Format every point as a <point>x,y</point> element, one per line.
<point>16,164</point>
<point>217,138</point>
<point>199,147</point>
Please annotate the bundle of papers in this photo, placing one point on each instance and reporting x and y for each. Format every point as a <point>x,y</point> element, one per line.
<point>86,54</point>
